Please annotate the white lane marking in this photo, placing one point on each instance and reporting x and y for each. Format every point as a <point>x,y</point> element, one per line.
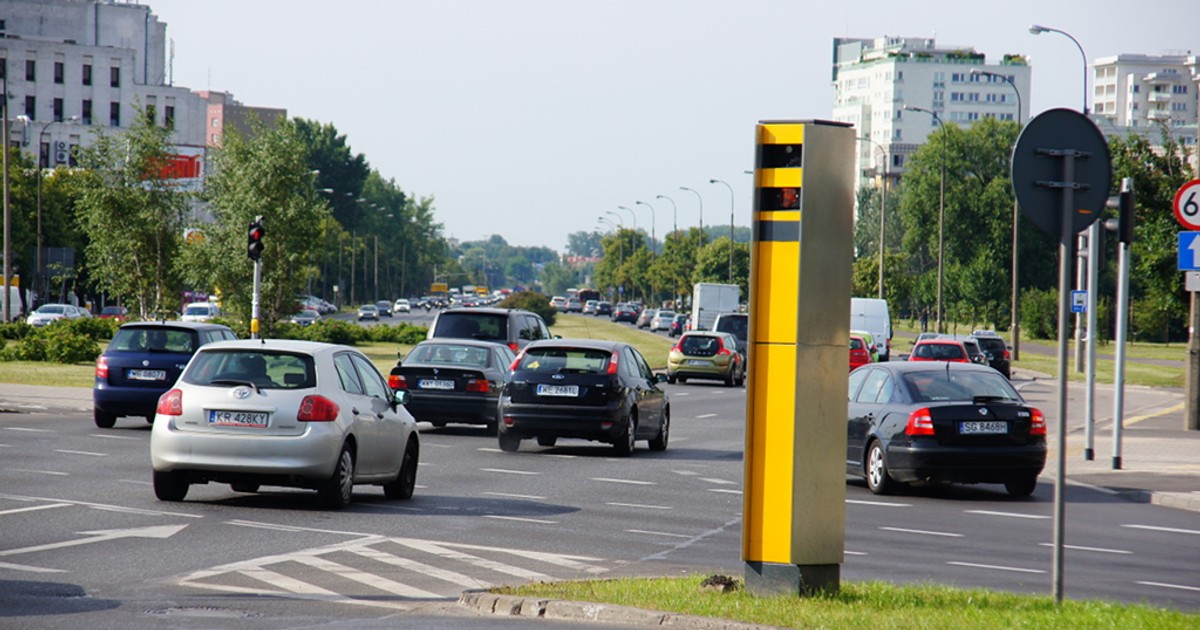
<point>531,497</point>
<point>137,481</point>
<point>521,519</point>
<point>878,503</point>
<point>30,569</point>
<point>370,579</point>
<point>1094,488</point>
<point>425,464</point>
<point>1009,514</point>
<point>463,581</point>
<point>643,531</point>
<point>1176,586</point>
<point>1096,549</point>
<point>101,506</point>
<point>88,453</point>
<point>686,473</point>
<point>724,490</point>
<point>510,472</point>
<point>444,551</point>
<point>440,445</point>
<point>489,450</point>
<point>253,525</point>
<point>854,553</point>
<point>723,482</point>
<point>662,555</point>
<point>677,394</point>
<point>40,472</point>
<point>34,508</point>
<point>1171,530</point>
<point>706,415</point>
<point>632,482</point>
<point>923,532</point>
<point>6,445</point>
<point>303,590</point>
<point>28,430</point>
<point>339,546</point>
<point>560,456</point>
<point>995,567</point>
<point>114,437</point>
<point>633,505</point>
<point>154,531</point>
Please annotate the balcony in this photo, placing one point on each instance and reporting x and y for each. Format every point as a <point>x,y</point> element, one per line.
<point>1159,97</point>
<point>1158,114</point>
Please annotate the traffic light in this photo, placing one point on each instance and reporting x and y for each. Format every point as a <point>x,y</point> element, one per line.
<point>254,242</point>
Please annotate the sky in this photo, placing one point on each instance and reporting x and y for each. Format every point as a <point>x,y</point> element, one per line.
<point>532,118</point>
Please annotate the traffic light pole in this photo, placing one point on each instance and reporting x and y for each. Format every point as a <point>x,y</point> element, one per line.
<point>254,299</point>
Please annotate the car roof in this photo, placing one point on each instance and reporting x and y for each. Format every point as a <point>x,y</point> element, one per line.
<point>460,341</point>
<point>903,367</point>
<point>175,324</point>
<point>587,344</point>
<point>286,345</point>
<point>487,310</point>
<point>941,341</point>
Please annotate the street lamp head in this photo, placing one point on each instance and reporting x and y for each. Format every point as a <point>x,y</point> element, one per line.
<point>1037,29</point>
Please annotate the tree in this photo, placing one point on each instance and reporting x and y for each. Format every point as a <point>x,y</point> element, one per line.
<point>866,223</point>
<point>557,278</point>
<point>712,264</point>
<point>584,243</point>
<point>340,170</point>
<point>133,216</point>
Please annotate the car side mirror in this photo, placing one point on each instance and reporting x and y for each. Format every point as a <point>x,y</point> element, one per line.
<point>660,378</point>
<point>401,396</point>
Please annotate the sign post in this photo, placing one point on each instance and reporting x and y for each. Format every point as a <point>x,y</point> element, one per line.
<point>1187,212</point>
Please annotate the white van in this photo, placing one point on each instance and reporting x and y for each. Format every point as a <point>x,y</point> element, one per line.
<point>200,312</point>
<point>871,315</point>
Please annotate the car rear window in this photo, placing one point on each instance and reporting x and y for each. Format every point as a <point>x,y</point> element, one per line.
<point>736,326</point>
<point>992,344</point>
<point>700,345</point>
<point>939,385</point>
<point>265,369</point>
<point>856,344</point>
<point>197,310</point>
<point>939,351</point>
<point>449,354</point>
<point>487,326</point>
<point>568,360</point>
<point>158,339</point>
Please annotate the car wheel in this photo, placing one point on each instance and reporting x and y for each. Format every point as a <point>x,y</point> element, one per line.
<point>509,443</point>
<point>671,378</point>
<point>1020,488</point>
<point>878,479</point>
<point>248,488</point>
<point>103,419</point>
<point>624,444</point>
<point>547,440</point>
<point>337,491</point>
<point>729,380</point>
<point>682,379</point>
<point>406,480</point>
<point>169,486</point>
<point>741,380</point>
<point>659,442</point>
<point>149,419</point>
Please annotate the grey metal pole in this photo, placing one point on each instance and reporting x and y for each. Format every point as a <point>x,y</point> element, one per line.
<point>1122,327</point>
<point>1065,258</point>
<point>882,214</point>
<point>4,146</point>
<point>674,213</point>
<point>1081,284</point>
<point>1093,270</point>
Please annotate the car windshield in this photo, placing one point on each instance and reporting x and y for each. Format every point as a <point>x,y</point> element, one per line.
<point>473,326</point>
<point>264,369</point>
<point>50,309</point>
<point>134,339</point>
<point>449,354</point>
<point>572,360</point>
<point>111,310</point>
<point>856,343</point>
<point>943,385</point>
<point>666,314</point>
<point>700,345</point>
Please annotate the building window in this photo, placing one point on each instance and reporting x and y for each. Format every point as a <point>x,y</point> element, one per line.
<point>31,107</point>
<point>897,160</point>
<point>151,114</point>
<point>59,71</point>
<point>3,68</point>
<point>30,70</point>
<point>86,111</point>
<point>114,114</point>
<point>58,110</point>
<point>169,117</point>
<point>114,76</point>
<point>87,74</point>
<point>215,138</point>
<point>216,122</point>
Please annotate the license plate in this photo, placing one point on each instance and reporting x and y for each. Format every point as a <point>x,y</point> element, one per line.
<point>697,362</point>
<point>426,383</point>
<point>237,419</point>
<point>558,390</point>
<point>146,375</point>
<point>984,428</point>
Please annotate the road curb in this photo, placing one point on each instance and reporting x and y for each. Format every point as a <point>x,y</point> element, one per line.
<point>564,610</point>
<point>1177,500</point>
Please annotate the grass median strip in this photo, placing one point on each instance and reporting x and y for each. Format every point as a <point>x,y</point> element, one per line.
<point>873,605</point>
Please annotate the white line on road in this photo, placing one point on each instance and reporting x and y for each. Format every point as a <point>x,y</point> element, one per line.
<point>531,497</point>
<point>678,394</point>
<point>724,490</point>
<point>362,577</point>
<point>922,532</point>
<point>463,581</point>
<point>510,472</point>
<point>101,506</point>
<point>995,567</point>
<point>706,415</point>
<point>6,446</point>
<point>720,482</point>
<point>686,473</point>
<point>489,450</point>
<point>633,505</point>
<point>1171,530</point>
<point>1176,586</point>
<point>560,456</point>
<point>137,481</point>
<point>1096,549</point>
<point>25,567</point>
<point>40,472</point>
<point>253,525</point>
<point>520,519</point>
<point>35,508</point>
<point>114,437</point>
<point>878,503</point>
<point>632,482</point>
<point>643,531</point>
<point>29,430</point>
<point>1009,514</point>
<point>854,553</point>
<point>88,453</point>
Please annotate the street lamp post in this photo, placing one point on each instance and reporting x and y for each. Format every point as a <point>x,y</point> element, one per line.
<point>653,221</point>
<point>674,213</point>
<point>699,198</point>
<point>731,202</point>
<point>1016,214</point>
<point>1037,29</point>
<point>632,214</point>
<point>941,210</point>
<point>882,206</point>
<point>4,147</point>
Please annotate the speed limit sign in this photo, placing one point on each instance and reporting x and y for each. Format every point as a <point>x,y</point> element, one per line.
<point>1187,205</point>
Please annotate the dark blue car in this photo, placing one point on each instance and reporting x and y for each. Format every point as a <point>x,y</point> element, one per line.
<point>142,362</point>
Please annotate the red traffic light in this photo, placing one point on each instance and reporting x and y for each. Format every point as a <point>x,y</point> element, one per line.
<point>254,242</point>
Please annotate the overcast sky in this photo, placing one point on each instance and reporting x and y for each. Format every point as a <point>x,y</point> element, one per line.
<point>531,118</point>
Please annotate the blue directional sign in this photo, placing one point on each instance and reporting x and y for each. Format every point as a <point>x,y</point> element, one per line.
<point>1189,251</point>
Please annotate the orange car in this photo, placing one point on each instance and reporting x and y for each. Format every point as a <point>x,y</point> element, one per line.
<point>859,355</point>
<point>940,350</point>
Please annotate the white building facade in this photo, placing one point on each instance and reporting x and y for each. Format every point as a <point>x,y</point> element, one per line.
<point>875,79</point>
<point>1148,94</point>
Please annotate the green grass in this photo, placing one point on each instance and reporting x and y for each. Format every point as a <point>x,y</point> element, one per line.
<point>46,373</point>
<point>868,605</point>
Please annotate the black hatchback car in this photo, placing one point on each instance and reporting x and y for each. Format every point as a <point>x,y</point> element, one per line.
<point>142,362</point>
<point>583,388</point>
<point>996,349</point>
<point>941,422</point>
<point>453,380</point>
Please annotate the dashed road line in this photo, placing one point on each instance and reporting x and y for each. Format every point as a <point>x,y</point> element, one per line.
<point>1175,586</point>
<point>1171,530</point>
<point>923,532</point>
<point>88,453</point>
<point>995,567</point>
<point>505,471</point>
<point>1008,514</point>
<point>720,482</point>
<point>40,472</point>
<point>114,437</point>
<point>521,519</point>
<point>640,506</point>
<point>35,508</point>
<point>507,495</point>
<point>29,430</point>
<point>1096,549</point>
<point>706,415</point>
<point>724,490</point>
<point>650,533</point>
<point>632,482</point>
<point>878,503</point>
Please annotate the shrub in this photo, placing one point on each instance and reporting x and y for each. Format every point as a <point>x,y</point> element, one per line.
<point>1039,313</point>
<point>15,330</point>
<point>59,343</point>
<point>335,331</point>
<point>92,327</point>
<point>532,301</point>
<point>408,334</point>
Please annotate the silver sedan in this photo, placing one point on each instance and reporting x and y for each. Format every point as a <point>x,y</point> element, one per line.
<point>283,413</point>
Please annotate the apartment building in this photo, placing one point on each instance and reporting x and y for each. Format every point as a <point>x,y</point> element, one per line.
<point>1148,94</point>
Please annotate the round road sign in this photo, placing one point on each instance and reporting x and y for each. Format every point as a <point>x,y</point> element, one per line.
<point>1037,170</point>
<point>1187,205</point>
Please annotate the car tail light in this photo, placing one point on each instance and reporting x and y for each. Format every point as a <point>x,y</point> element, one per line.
<point>102,368</point>
<point>315,408</point>
<point>1006,355</point>
<point>1038,424</point>
<point>919,423</point>
<point>677,347</point>
<point>723,351</point>
<point>479,385</point>
<point>397,381</point>
<point>612,363</point>
<point>508,421</point>
<point>512,345</point>
<point>171,403</point>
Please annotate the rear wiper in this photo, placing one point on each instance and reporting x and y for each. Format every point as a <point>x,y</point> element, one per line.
<point>234,381</point>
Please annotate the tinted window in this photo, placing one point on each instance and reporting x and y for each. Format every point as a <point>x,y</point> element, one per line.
<point>737,325</point>
<point>574,360</point>
<point>268,370</point>
<point>449,354</point>
<point>372,382</point>
<point>700,345</point>
<point>154,340</point>
<point>347,374</point>
<point>941,385</point>
<point>643,367</point>
<point>856,380</point>
<point>473,326</point>
<point>874,386</point>
<point>995,345</point>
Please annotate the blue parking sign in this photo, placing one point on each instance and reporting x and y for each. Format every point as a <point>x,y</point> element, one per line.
<point>1189,251</point>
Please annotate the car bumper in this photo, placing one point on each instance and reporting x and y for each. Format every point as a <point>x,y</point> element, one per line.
<point>994,464</point>
<point>426,407</point>
<point>238,456</point>
<point>127,401</point>
<point>604,424</point>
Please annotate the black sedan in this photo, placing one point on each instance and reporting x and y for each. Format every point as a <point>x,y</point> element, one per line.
<point>624,312</point>
<point>583,388</point>
<point>453,380</point>
<point>942,422</point>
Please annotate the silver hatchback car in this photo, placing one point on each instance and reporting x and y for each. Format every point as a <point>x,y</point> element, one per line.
<point>283,413</point>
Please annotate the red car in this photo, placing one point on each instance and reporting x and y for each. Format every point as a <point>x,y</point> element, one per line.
<point>859,355</point>
<point>940,350</point>
<point>119,313</point>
